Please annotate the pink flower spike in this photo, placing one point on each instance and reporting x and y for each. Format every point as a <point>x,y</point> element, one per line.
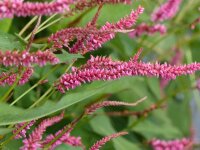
<point>33,141</point>
<point>19,8</point>
<point>178,144</point>
<point>10,78</point>
<point>106,139</point>
<point>149,30</point>
<point>167,11</point>
<point>91,38</point>
<point>25,58</point>
<point>26,76</point>
<point>111,70</point>
<point>91,109</point>
<point>22,133</point>
<point>65,138</point>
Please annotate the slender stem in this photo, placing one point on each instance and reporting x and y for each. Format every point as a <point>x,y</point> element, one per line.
<point>65,130</point>
<point>42,97</point>
<point>35,85</point>
<point>44,27</point>
<point>46,21</point>
<point>33,34</point>
<point>27,25</point>
<point>158,104</point>
<point>184,11</point>
<point>13,86</point>
<point>12,137</point>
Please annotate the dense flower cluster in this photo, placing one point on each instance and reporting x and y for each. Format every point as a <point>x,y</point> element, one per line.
<point>179,144</point>
<point>33,141</point>
<point>25,58</point>
<point>176,60</point>
<point>65,138</point>
<point>91,38</point>
<point>9,78</point>
<point>83,4</point>
<point>102,142</point>
<point>110,70</point>
<point>167,11</point>
<point>22,133</point>
<point>10,8</point>
<point>144,28</point>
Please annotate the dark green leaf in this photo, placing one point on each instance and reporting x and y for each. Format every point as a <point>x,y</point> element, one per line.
<point>66,57</point>
<point>12,115</point>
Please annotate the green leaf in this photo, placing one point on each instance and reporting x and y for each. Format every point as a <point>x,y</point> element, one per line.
<point>102,125</point>
<point>67,57</point>
<point>13,115</point>
<point>5,24</point>
<point>5,130</point>
<point>33,45</point>
<point>67,147</point>
<point>158,125</point>
<point>154,86</point>
<point>9,42</point>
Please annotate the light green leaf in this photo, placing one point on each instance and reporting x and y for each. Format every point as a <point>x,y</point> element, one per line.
<point>158,126</point>
<point>5,24</point>
<point>5,130</point>
<point>102,125</point>
<point>67,57</point>
<point>67,147</point>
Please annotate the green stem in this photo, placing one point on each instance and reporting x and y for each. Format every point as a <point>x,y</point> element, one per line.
<point>41,98</point>
<point>65,130</point>
<point>12,137</point>
<point>46,21</point>
<point>13,86</point>
<point>27,25</point>
<point>184,11</point>
<point>159,104</point>
<point>42,28</point>
<point>35,85</point>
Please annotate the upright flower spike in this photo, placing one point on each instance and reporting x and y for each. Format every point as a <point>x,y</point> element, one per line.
<point>106,139</point>
<point>167,11</point>
<point>19,8</point>
<point>144,28</point>
<point>109,70</point>
<point>91,38</point>
<point>25,58</point>
<point>33,140</point>
<point>178,144</point>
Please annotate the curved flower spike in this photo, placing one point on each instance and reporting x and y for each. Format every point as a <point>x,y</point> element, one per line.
<point>91,109</point>
<point>106,139</point>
